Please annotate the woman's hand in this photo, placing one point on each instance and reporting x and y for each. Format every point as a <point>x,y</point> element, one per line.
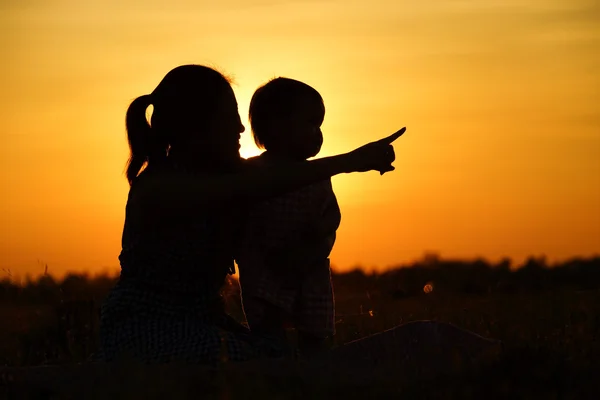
<point>375,156</point>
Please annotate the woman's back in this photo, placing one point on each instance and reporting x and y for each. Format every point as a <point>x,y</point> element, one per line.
<point>181,253</point>
<point>167,303</point>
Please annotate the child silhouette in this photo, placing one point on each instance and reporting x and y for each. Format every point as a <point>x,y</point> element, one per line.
<point>285,274</point>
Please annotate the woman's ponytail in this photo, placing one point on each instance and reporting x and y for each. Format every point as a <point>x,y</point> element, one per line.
<point>142,144</point>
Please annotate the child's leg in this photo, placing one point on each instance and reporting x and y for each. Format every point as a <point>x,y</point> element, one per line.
<point>311,345</point>
<point>265,319</point>
<point>315,313</point>
<point>273,327</point>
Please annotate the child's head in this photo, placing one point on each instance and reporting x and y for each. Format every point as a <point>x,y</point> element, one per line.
<point>286,117</point>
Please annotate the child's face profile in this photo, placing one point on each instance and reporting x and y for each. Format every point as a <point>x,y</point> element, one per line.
<point>303,135</point>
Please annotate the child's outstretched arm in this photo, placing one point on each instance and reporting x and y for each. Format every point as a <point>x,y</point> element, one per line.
<point>168,194</point>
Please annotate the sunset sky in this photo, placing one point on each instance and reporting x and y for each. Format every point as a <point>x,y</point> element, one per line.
<point>501,100</point>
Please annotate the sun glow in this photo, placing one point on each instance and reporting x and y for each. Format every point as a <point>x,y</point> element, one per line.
<point>500,157</point>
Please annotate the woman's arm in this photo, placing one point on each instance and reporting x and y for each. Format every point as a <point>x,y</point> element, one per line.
<point>177,193</point>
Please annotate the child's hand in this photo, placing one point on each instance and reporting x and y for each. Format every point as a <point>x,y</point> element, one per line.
<point>377,156</point>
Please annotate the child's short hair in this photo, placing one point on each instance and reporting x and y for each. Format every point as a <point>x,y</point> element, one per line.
<point>277,98</point>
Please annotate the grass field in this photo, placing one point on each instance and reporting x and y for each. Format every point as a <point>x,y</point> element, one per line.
<point>551,334</point>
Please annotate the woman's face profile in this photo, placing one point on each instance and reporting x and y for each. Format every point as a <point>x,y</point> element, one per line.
<point>226,128</point>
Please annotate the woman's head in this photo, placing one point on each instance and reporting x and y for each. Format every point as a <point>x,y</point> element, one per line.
<point>194,118</point>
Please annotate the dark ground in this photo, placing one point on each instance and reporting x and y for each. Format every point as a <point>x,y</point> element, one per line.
<point>548,318</point>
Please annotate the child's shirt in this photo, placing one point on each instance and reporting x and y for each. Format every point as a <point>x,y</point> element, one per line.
<point>285,247</point>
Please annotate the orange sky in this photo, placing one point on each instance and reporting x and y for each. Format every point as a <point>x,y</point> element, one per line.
<point>501,100</point>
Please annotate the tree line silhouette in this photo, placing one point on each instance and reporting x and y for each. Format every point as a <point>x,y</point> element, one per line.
<point>477,277</point>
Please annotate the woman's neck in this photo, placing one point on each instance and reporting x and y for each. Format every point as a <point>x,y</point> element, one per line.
<point>203,162</point>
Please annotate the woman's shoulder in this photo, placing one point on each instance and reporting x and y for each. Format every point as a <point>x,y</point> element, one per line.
<point>154,184</point>
<point>157,177</point>
<point>149,179</point>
